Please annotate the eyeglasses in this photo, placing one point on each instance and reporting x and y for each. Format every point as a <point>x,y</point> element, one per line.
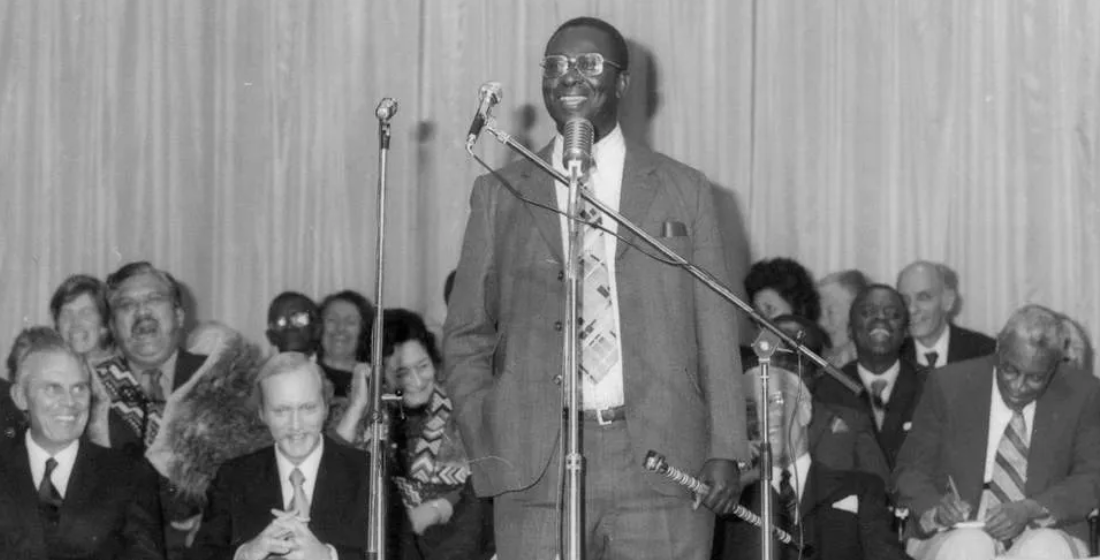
<point>294,320</point>
<point>588,64</point>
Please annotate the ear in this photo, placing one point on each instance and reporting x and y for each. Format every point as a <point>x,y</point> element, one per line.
<point>805,411</point>
<point>180,316</point>
<point>949,299</point>
<point>621,84</point>
<point>18,396</point>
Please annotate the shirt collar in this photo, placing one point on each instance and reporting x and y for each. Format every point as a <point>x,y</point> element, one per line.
<point>39,455</point>
<point>890,376</point>
<point>800,472</point>
<point>610,146</point>
<point>309,466</point>
<point>939,347</point>
<point>167,367</point>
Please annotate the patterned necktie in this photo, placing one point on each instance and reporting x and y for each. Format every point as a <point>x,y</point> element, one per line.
<point>1009,468</point>
<point>47,492</point>
<point>788,498</point>
<point>299,504</point>
<point>598,337</point>
<point>150,383</point>
<point>878,406</point>
<point>931,358</point>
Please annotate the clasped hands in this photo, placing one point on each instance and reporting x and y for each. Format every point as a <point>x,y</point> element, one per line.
<point>1002,521</point>
<point>287,536</point>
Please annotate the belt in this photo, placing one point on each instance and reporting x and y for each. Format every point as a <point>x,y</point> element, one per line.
<point>604,416</point>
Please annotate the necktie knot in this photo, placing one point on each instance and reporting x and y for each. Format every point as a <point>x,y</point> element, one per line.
<point>297,478</point>
<point>788,498</point>
<point>931,358</point>
<point>47,492</point>
<point>150,381</point>
<point>878,387</point>
<point>51,464</point>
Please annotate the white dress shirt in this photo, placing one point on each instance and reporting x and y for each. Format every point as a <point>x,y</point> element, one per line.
<point>66,459</point>
<point>606,179</point>
<point>890,376</point>
<point>167,373</point>
<point>999,417</point>
<point>309,467</point>
<point>939,347</point>
<point>800,471</point>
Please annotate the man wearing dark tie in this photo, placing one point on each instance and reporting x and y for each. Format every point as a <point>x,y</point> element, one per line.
<point>931,293</point>
<point>305,497</point>
<point>892,385</point>
<point>1004,455</point>
<point>63,497</point>
<point>839,514</point>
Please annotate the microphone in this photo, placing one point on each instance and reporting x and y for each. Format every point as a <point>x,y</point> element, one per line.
<point>387,108</point>
<point>490,94</point>
<point>577,135</point>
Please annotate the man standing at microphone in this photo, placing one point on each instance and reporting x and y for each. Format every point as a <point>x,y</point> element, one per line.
<point>659,361</point>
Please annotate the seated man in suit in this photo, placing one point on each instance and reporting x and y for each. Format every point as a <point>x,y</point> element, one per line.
<point>1010,443</point>
<point>304,497</point>
<point>63,496</point>
<point>878,321</point>
<point>931,292</point>
<point>841,514</point>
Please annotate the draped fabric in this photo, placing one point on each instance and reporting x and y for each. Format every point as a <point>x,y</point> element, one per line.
<point>234,143</point>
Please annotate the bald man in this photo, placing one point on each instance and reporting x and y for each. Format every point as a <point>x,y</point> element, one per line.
<point>931,293</point>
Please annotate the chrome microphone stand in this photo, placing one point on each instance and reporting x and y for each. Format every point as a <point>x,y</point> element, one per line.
<point>764,347</point>
<point>380,420</point>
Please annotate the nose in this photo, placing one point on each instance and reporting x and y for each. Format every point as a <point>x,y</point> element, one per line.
<point>295,420</point>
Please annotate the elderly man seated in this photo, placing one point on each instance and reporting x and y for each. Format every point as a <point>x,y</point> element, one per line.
<point>63,496</point>
<point>1004,455</point>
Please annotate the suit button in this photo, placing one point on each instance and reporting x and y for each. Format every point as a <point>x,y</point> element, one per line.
<point>557,379</point>
<point>557,325</point>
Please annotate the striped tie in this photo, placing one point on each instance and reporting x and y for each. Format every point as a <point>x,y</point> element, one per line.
<point>1009,468</point>
<point>598,337</point>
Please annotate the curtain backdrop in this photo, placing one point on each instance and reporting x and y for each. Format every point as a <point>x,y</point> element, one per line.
<point>234,142</point>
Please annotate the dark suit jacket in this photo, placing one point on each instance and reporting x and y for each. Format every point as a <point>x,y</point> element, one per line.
<point>962,344</point>
<point>951,431</point>
<point>503,334</point>
<point>899,411</point>
<point>12,420</point>
<point>122,435</point>
<point>110,510</point>
<point>844,439</point>
<point>247,488</point>
<point>834,533</point>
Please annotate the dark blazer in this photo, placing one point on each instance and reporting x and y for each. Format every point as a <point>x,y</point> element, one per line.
<point>844,439</point>
<point>503,334</point>
<point>111,508</point>
<point>951,432</point>
<point>247,488</point>
<point>834,533</point>
<point>12,420</point>
<point>899,411</point>
<point>962,344</point>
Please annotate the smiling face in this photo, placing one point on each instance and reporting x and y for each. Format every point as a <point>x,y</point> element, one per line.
<point>294,410</point>
<point>343,327</point>
<point>81,325</point>
<point>929,302</point>
<point>146,320</point>
<point>411,369</point>
<point>595,98</point>
<point>877,322</point>
<point>55,391</point>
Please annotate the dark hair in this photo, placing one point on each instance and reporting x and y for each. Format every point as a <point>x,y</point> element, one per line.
<point>400,326</point>
<point>617,39</point>
<point>366,313</point>
<point>866,292</point>
<point>790,280</point>
<point>130,270</point>
<point>31,341</point>
<point>287,297</point>
<point>813,337</point>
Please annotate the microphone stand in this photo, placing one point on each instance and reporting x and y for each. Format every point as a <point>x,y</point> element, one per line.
<point>379,415</point>
<point>700,274</point>
<point>764,347</point>
<point>574,458</point>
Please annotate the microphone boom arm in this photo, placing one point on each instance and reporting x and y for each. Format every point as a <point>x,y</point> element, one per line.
<point>700,274</point>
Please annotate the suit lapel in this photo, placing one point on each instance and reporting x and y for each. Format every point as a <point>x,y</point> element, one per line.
<point>639,188</point>
<point>83,482</point>
<point>538,186</point>
<point>329,493</point>
<point>1048,420</point>
<point>901,399</point>
<point>21,485</point>
<point>972,431</point>
<point>186,366</point>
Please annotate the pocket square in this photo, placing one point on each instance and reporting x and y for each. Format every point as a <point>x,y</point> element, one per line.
<point>906,426</point>
<point>839,426</point>
<point>849,504</point>
<point>673,229</point>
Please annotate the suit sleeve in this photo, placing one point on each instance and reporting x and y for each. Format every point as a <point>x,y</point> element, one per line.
<point>716,332</point>
<point>918,473</point>
<point>875,529</point>
<point>143,530</point>
<point>215,538</point>
<point>470,331</point>
<point>1072,498</point>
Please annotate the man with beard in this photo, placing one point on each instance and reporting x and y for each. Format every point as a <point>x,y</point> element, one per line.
<point>1004,455</point>
<point>878,320</point>
<point>304,497</point>
<point>659,371</point>
<point>147,323</point>
<point>294,323</point>
<point>931,294</point>
<point>63,496</point>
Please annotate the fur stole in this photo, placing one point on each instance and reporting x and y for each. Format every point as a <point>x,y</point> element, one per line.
<point>210,419</point>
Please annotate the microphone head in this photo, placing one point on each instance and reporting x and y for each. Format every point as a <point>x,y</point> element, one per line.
<point>577,135</point>
<point>492,91</point>
<point>387,108</point>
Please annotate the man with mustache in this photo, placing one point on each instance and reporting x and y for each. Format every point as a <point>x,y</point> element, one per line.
<point>931,295</point>
<point>1004,456</point>
<point>878,320</point>
<point>659,369</point>
<point>147,324</point>
<point>63,496</point>
<point>305,497</point>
